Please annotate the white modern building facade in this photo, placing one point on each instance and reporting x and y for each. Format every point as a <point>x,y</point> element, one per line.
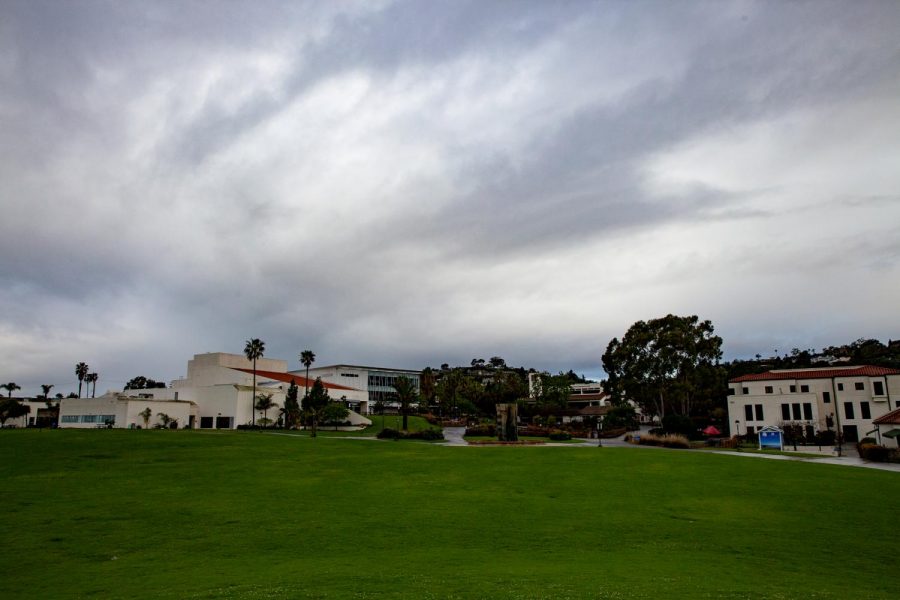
<point>217,393</point>
<point>845,399</point>
<point>374,384</point>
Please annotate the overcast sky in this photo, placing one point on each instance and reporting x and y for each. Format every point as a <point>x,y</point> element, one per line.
<point>411,183</point>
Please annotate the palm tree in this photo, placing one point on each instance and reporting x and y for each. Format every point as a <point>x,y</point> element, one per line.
<point>92,378</point>
<point>11,386</point>
<point>46,387</point>
<point>406,392</point>
<point>145,414</point>
<point>264,403</point>
<point>81,370</point>
<point>254,349</point>
<point>307,357</point>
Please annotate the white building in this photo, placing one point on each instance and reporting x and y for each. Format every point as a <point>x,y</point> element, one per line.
<point>845,399</point>
<point>369,384</point>
<point>217,393</point>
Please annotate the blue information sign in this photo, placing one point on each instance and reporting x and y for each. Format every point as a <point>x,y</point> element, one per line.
<point>771,438</point>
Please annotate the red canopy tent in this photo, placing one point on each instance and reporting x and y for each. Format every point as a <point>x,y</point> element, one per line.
<point>711,430</point>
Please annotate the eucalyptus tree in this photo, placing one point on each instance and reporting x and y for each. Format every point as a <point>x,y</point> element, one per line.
<point>255,349</point>
<point>81,371</point>
<point>307,358</point>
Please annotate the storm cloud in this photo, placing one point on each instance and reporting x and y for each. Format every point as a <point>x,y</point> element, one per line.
<point>411,183</point>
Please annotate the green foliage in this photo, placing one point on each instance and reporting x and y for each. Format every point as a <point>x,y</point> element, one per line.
<point>554,391</point>
<point>291,410</point>
<point>406,393</point>
<point>315,402</point>
<point>334,413</point>
<point>143,383</point>
<point>872,452</point>
<point>679,424</point>
<point>12,409</point>
<point>621,417</point>
<point>667,364</point>
<point>559,436</point>
<point>264,403</point>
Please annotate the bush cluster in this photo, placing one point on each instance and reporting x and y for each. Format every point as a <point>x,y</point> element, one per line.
<point>613,432</point>
<point>489,430</point>
<point>426,434</point>
<point>872,452</point>
<point>559,436</point>
<point>667,441</point>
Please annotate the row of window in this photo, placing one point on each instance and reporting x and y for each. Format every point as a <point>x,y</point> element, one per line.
<point>349,374</point>
<point>797,411</point>
<point>388,380</point>
<point>865,412</point>
<point>877,389</point>
<point>88,418</point>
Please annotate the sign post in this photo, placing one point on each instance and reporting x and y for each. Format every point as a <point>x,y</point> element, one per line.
<point>771,438</point>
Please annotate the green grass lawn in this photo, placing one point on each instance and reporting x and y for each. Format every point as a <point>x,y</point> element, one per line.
<point>180,514</point>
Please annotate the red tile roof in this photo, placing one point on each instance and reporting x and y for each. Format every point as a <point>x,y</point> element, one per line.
<point>300,380</point>
<point>892,418</point>
<point>863,371</point>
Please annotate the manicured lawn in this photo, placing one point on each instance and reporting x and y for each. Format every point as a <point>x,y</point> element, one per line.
<point>179,514</point>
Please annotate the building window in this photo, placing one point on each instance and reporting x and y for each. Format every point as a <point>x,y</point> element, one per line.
<point>864,410</point>
<point>70,418</point>
<point>759,412</point>
<point>748,412</point>
<point>793,389</point>
<point>859,385</point>
<point>878,388</point>
<point>848,410</point>
<point>206,422</point>
<point>804,389</point>
<point>745,390</point>
<point>785,412</point>
<point>769,389</point>
<point>826,397</point>
<point>807,411</point>
<point>731,391</point>
<point>840,387</point>
<point>88,418</point>
<point>795,408</point>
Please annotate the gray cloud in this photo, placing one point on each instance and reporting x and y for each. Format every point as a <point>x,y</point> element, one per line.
<point>414,183</point>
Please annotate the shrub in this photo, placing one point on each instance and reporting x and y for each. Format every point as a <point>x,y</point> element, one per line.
<point>426,434</point>
<point>482,430</point>
<point>868,440</point>
<point>533,431</point>
<point>388,434</point>
<point>560,436</point>
<point>668,441</point>
<point>872,452</point>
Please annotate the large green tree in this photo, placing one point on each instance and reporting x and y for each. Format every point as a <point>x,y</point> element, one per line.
<point>143,383</point>
<point>427,387</point>
<point>316,401</point>
<point>81,371</point>
<point>406,393</point>
<point>307,358</point>
<point>554,390</point>
<point>254,349</point>
<point>671,363</point>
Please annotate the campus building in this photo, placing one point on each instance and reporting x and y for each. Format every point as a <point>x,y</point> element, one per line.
<point>217,393</point>
<point>377,383</point>
<point>846,399</point>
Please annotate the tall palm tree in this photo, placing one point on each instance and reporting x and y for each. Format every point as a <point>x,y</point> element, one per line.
<point>307,358</point>
<point>46,387</point>
<point>92,378</point>
<point>11,386</point>
<point>254,349</point>
<point>81,370</point>
<point>406,392</point>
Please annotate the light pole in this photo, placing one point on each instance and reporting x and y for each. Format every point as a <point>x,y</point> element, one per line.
<point>737,427</point>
